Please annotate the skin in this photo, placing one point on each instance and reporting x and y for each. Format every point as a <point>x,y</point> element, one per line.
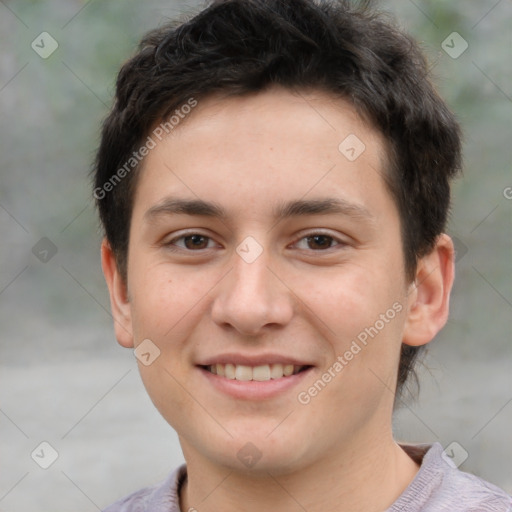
<point>310,300</point>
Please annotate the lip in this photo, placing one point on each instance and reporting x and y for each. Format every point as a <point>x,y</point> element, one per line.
<point>251,389</point>
<point>253,360</point>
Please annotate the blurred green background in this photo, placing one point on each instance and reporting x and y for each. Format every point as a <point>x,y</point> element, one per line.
<point>64,379</point>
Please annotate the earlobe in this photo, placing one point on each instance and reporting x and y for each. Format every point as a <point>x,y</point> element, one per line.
<point>119,302</point>
<point>429,298</point>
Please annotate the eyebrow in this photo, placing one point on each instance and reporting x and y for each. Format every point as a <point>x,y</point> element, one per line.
<point>198,207</point>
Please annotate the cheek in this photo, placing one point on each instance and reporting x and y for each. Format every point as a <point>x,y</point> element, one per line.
<point>363,308</point>
<point>350,297</point>
<point>164,309</point>
<point>168,302</point>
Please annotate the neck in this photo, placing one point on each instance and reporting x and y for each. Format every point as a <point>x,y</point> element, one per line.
<point>361,478</point>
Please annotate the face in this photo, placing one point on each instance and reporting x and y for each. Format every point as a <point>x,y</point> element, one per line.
<point>260,247</point>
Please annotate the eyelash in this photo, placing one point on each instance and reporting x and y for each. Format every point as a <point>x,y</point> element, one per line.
<point>172,247</point>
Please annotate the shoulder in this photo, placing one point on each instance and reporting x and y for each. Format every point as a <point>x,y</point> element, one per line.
<point>440,486</point>
<point>472,494</point>
<point>162,497</point>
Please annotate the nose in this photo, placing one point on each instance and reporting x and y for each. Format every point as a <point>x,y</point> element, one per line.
<point>252,297</point>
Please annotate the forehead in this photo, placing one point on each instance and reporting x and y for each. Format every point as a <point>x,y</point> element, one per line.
<point>252,153</point>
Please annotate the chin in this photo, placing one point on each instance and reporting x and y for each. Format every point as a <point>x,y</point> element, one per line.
<point>253,451</point>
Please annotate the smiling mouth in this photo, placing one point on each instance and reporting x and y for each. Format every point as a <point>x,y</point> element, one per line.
<point>259,373</point>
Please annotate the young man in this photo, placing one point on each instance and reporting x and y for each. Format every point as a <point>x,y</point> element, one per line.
<point>273,181</point>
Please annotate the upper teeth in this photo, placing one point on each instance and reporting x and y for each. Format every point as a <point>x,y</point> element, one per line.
<point>260,373</point>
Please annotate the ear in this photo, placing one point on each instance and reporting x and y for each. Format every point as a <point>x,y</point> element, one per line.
<point>429,295</point>
<point>119,302</point>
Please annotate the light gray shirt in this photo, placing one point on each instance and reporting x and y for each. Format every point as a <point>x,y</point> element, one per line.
<point>437,487</point>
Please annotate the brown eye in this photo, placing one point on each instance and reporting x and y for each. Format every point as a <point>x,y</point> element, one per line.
<point>196,241</point>
<point>191,243</point>
<point>321,242</point>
